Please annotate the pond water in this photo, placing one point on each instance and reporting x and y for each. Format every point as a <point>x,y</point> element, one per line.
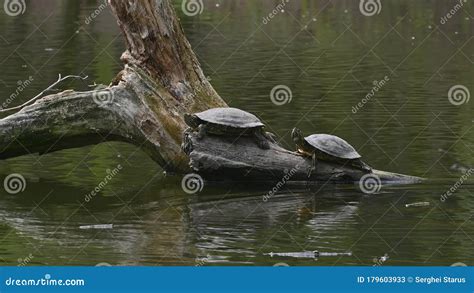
<point>328,54</point>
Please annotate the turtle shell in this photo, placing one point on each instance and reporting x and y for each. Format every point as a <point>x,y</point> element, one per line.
<point>332,145</point>
<point>230,117</point>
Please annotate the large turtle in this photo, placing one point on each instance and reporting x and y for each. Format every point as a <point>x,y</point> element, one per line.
<point>229,122</point>
<point>328,147</point>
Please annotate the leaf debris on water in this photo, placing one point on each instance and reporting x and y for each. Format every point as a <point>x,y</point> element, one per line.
<point>418,204</point>
<point>308,254</point>
<point>101,226</point>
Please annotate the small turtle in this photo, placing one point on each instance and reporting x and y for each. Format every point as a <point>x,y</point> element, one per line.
<point>229,122</point>
<point>328,148</point>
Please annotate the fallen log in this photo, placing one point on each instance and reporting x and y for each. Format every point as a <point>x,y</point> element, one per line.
<point>240,159</point>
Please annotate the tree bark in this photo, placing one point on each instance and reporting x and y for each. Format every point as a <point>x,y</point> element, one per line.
<point>240,159</point>
<point>144,105</point>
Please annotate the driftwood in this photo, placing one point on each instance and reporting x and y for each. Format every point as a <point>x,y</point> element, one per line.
<point>144,105</point>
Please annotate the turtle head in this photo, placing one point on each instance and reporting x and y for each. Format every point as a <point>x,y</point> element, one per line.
<point>191,120</point>
<point>297,136</point>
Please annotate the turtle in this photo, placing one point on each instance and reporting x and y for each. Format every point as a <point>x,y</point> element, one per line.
<point>328,147</point>
<point>229,122</point>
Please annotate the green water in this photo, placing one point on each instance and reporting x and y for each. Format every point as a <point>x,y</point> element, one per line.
<point>329,55</point>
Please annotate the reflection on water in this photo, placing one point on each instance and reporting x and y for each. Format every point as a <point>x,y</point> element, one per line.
<point>329,55</point>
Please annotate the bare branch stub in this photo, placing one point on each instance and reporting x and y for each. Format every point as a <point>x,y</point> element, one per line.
<point>38,96</point>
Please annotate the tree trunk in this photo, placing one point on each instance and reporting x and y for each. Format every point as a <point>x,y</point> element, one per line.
<point>144,105</point>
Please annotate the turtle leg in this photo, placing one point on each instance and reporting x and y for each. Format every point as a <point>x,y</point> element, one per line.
<point>188,130</point>
<point>362,165</point>
<point>271,136</point>
<point>261,139</point>
<point>202,130</point>
<point>187,144</point>
<point>365,166</point>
